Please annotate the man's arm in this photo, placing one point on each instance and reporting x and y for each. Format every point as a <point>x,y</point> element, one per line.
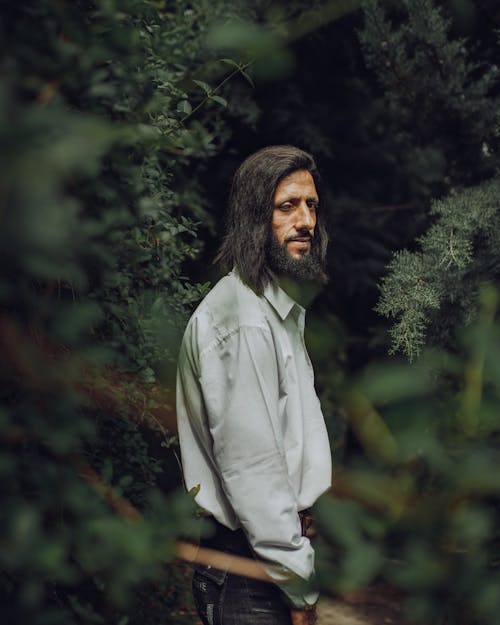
<point>239,379</point>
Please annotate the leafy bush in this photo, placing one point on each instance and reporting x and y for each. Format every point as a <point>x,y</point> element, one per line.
<point>418,505</point>
<point>98,215</point>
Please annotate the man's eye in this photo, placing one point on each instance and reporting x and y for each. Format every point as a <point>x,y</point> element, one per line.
<point>286,207</point>
<point>313,205</point>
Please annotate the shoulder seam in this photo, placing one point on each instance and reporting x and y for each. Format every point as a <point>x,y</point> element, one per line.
<point>221,337</point>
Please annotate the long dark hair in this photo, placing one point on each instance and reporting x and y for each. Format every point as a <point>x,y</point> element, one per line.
<point>251,208</point>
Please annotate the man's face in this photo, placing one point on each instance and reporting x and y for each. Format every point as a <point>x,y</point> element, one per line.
<point>294,213</point>
<point>292,250</point>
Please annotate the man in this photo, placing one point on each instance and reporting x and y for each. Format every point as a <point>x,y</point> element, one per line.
<point>251,430</point>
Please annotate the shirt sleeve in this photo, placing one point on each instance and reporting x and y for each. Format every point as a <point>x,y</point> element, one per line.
<point>241,391</point>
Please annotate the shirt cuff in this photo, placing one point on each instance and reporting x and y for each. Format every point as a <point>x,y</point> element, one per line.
<point>299,600</point>
<point>298,592</point>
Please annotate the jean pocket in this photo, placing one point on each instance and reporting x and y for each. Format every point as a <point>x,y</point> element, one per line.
<point>215,575</point>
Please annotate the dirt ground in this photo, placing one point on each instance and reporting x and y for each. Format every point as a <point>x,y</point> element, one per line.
<point>373,606</point>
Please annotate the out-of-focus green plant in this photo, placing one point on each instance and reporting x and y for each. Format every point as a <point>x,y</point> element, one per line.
<point>419,504</point>
<point>103,108</point>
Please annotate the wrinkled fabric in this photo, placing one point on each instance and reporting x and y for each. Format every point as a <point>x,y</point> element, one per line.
<point>251,430</point>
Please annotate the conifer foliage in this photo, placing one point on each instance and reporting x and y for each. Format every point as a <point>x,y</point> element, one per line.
<point>444,102</point>
<point>441,98</point>
<point>433,291</point>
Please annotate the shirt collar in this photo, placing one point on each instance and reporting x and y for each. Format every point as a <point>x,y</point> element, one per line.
<point>279,300</point>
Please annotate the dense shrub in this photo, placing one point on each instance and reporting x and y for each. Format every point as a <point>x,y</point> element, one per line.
<point>418,504</point>
<point>97,218</point>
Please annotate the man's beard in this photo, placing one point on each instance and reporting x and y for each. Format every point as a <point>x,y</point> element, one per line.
<point>304,268</point>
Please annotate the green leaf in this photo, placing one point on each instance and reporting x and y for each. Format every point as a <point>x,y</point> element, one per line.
<point>184,107</point>
<point>240,67</point>
<point>203,85</point>
<point>125,481</point>
<point>248,78</point>
<point>195,490</point>
<point>231,62</point>
<point>107,470</point>
<point>219,100</point>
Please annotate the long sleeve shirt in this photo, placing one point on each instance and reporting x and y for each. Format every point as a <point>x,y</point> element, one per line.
<point>251,430</point>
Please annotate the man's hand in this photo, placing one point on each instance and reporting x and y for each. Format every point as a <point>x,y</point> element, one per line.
<point>304,617</point>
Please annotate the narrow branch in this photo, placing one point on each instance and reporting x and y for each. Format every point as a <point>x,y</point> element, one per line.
<point>452,249</point>
<point>238,70</point>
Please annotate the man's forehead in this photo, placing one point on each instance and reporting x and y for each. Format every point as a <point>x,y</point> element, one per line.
<point>297,184</point>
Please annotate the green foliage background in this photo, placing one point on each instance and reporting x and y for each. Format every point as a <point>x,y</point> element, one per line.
<point>96,222</point>
<point>122,122</point>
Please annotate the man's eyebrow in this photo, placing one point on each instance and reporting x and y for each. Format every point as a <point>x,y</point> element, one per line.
<point>296,199</point>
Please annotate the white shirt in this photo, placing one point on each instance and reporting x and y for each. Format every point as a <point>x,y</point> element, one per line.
<point>251,430</point>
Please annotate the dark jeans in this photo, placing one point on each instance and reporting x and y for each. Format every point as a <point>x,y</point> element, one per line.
<point>225,599</point>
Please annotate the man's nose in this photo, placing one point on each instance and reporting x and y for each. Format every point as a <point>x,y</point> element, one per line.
<point>306,218</point>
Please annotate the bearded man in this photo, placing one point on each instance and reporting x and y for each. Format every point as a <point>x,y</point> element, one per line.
<point>251,430</point>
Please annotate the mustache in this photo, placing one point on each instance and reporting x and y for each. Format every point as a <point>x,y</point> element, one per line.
<point>300,237</point>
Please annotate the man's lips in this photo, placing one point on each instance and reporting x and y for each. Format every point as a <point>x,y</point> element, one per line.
<point>300,240</point>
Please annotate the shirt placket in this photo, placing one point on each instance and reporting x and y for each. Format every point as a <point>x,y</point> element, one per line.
<point>300,317</point>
